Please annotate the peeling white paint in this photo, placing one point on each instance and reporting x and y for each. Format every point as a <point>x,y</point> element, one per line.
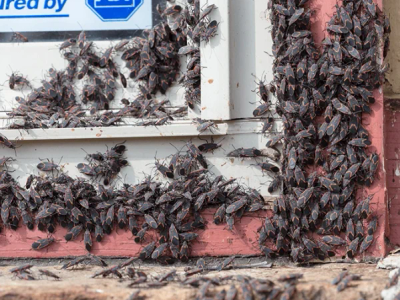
<point>392,292</point>
<point>397,171</point>
<point>390,262</point>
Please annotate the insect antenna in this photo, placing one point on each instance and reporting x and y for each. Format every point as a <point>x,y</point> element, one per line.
<point>204,139</point>
<point>179,151</point>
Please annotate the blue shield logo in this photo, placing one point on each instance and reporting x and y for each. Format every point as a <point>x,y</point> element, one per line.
<point>114,10</point>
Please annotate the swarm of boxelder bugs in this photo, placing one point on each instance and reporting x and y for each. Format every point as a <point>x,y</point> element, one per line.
<point>153,60</point>
<point>105,165</point>
<point>88,210</point>
<point>320,98</point>
<point>246,286</point>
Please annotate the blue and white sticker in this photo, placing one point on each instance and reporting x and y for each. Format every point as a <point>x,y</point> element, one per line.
<point>114,10</point>
<point>74,15</point>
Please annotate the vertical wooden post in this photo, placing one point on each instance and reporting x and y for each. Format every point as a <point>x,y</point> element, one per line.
<point>215,62</point>
<point>374,123</point>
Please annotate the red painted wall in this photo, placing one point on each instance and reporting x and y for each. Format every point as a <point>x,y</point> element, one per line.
<point>392,163</point>
<point>214,241</point>
<point>374,123</point>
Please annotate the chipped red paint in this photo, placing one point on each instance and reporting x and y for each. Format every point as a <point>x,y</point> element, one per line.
<point>392,164</point>
<point>214,241</point>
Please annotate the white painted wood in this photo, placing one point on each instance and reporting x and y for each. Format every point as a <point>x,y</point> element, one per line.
<point>263,49</point>
<point>215,62</point>
<point>140,154</point>
<point>184,128</point>
<point>250,39</point>
<point>179,128</point>
<point>232,59</point>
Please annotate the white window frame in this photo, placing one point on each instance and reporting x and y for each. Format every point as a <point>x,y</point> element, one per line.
<point>226,82</point>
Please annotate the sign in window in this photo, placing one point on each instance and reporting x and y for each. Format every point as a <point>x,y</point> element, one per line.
<point>48,20</point>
